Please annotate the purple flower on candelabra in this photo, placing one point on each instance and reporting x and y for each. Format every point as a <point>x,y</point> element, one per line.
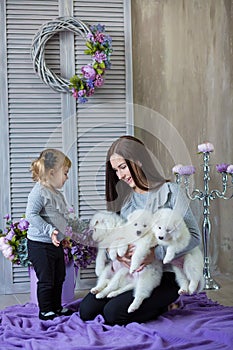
<point>184,169</point>
<point>230,169</point>
<point>176,168</point>
<point>205,147</point>
<point>222,168</point>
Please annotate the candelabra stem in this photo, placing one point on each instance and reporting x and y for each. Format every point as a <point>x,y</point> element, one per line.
<point>206,227</point>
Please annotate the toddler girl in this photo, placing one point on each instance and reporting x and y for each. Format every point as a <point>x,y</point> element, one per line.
<point>47,215</point>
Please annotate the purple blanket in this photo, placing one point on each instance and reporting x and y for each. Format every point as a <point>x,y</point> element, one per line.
<point>198,324</point>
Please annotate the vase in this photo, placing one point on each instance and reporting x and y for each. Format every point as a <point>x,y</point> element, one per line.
<point>68,288</point>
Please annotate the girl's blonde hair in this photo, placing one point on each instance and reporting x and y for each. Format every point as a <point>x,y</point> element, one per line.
<point>49,159</point>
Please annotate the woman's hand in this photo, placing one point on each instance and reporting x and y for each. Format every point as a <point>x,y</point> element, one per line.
<point>55,241</point>
<point>148,260</point>
<point>126,259</point>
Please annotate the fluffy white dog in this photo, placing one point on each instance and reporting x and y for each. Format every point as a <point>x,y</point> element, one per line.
<point>171,231</point>
<point>105,226</point>
<point>116,278</point>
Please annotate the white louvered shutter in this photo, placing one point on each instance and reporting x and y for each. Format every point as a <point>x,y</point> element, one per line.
<point>35,117</point>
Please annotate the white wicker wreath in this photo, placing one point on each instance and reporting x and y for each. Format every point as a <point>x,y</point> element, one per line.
<point>40,39</point>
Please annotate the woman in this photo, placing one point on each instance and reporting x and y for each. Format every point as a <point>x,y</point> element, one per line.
<point>133,182</point>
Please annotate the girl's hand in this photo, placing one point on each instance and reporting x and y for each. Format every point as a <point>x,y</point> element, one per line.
<point>55,241</point>
<point>66,243</point>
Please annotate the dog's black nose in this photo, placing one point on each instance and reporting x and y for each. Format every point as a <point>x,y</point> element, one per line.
<point>138,233</point>
<point>161,238</point>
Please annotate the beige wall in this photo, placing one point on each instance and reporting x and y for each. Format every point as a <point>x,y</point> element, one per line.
<point>183,75</point>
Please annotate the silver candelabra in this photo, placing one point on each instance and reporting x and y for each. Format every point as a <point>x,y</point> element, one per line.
<point>205,196</point>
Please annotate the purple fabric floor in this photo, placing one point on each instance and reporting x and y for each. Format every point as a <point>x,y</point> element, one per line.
<point>198,324</point>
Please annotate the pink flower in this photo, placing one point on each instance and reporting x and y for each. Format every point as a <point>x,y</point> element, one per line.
<point>88,72</point>
<point>205,147</point>
<point>177,168</point>
<point>8,253</point>
<point>230,169</point>
<point>90,92</point>
<point>2,242</point>
<point>81,93</point>
<point>100,56</point>
<point>99,37</point>
<point>222,168</point>
<point>99,81</point>
<point>74,93</point>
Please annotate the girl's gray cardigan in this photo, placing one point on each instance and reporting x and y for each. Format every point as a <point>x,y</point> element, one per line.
<point>46,211</point>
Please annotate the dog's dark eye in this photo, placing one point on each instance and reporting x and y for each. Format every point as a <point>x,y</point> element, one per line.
<point>136,224</point>
<point>160,227</point>
<point>144,225</point>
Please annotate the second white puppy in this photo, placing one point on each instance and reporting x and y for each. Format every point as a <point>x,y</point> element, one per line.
<point>171,231</point>
<point>115,278</point>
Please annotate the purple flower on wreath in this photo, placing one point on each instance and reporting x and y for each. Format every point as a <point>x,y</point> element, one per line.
<point>107,40</point>
<point>81,93</point>
<point>90,92</point>
<point>88,72</point>
<point>99,27</point>
<point>99,37</point>
<point>222,168</point>
<point>90,83</point>
<point>108,64</point>
<point>99,81</point>
<point>230,169</point>
<point>82,99</point>
<point>100,56</point>
<point>90,37</point>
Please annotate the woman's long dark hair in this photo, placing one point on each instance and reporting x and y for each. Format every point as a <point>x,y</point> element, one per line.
<point>141,167</point>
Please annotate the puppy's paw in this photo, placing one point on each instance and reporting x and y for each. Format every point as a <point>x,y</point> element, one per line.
<point>94,291</point>
<point>131,309</point>
<point>166,260</point>
<point>182,291</point>
<point>112,294</point>
<point>100,295</point>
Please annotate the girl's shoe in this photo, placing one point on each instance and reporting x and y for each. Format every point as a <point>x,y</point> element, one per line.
<point>50,315</point>
<point>64,312</point>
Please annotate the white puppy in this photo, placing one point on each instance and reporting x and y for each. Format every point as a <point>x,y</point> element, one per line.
<point>171,231</point>
<point>104,226</point>
<point>116,278</point>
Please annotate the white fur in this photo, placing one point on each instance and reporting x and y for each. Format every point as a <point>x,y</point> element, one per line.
<point>171,231</point>
<point>116,278</point>
<point>104,226</point>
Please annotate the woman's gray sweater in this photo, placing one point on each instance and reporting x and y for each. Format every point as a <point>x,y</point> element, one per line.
<point>170,195</point>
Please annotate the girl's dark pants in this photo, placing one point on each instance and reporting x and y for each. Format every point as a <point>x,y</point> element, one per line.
<point>48,262</point>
